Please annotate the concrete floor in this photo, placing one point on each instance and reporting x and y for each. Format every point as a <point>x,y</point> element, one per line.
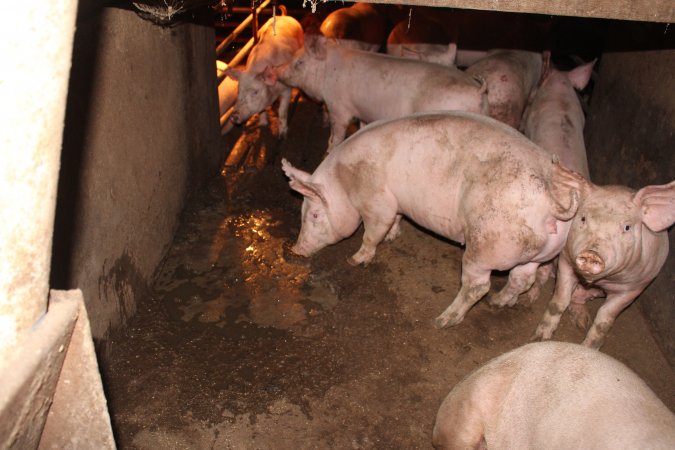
<point>243,345</point>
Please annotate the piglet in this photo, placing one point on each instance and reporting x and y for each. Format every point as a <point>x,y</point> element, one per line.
<point>553,395</point>
<point>618,242</point>
<point>463,176</point>
<point>511,75</point>
<point>280,38</point>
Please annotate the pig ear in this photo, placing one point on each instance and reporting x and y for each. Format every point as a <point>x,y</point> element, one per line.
<point>315,45</point>
<point>269,76</point>
<point>580,76</point>
<point>658,205</point>
<point>233,73</point>
<point>300,182</point>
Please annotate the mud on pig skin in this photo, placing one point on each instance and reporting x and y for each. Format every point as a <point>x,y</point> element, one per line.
<point>553,395</point>
<point>463,176</point>
<point>280,38</point>
<point>618,242</point>
<point>511,75</point>
<point>372,86</point>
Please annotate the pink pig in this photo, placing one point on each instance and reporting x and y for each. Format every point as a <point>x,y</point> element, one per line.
<point>421,39</point>
<point>557,396</point>
<point>464,176</point>
<point>359,26</point>
<point>280,38</point>
<point>372,86</point>
<point>618,242</point>
<point>511,75</point>
<point>555,120</point>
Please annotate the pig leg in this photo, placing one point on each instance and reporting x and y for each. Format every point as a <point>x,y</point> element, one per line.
<point>339,121</point>
<point>606,315</point>
<point>284,102</point>
<point>544,272</point>
<point>379,217</point>
<point>577,308</point>
<point>564,287</point>
<point>475,284</point>
<point>395,230</point>
<point>521,279</point>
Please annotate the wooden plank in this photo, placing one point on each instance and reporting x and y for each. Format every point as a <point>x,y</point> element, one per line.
<point>640,10</point>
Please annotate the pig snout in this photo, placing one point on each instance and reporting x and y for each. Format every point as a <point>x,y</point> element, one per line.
<point>590,262</point>
<point>236,117</point>
<point>299,250</point>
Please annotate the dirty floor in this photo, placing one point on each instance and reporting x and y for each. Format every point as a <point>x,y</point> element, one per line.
<point>243,345</point>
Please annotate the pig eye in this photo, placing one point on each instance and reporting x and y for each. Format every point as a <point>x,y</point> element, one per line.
<point>626,228</point>
<point>315,215</point>
<point>583,219</point>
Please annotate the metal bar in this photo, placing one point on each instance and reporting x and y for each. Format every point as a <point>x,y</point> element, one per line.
<point>238,58</point>
<point>254,13</point>
<point>228,40</point>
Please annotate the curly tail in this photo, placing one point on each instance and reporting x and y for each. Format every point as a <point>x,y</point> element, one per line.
<point>566,189</point>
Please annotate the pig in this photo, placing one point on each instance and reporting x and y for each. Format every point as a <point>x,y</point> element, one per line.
<point>511,75</point>
<point>618,242</point>
<point>421,39</point>
<point>555,120</point>
<point>359,26</point>
<point>371,86</point>
<point>280,38</point>
<point>461,175</point>
<point>553,395</point>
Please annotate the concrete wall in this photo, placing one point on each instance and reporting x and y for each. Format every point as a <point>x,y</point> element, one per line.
<point>141,132</point>
<point>630,133</point>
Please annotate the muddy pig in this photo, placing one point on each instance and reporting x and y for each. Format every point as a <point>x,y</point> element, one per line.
<point>421,39</point>
<point>553,395</point>
<point>511,75</point>
<point>280,38</point>
<point>618,242</point>
<point>461,175</point>
<point>555,120</point>
<point>359,26</point>
<point>372,86</point>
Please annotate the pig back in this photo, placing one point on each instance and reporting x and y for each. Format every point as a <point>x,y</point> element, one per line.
<point>555,120</point>
<point>280,38</point>
<point>558,395</point>
<point>454,173</point>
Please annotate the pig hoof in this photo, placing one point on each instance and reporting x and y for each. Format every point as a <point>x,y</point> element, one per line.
<point>354,262</point>
<point>443,322</point>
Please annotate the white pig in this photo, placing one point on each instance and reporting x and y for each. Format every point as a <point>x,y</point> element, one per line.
<point>421,39</point>
<point>557,396</point>
<point>464,176</point>
<point>618,242</point>
<point>511,75</point>
<point>280,38</point>
<point>555,120</point>
<point>359,26</point>
<point>372,86</point>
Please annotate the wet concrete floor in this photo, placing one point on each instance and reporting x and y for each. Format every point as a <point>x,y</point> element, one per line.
<point>243,345</point>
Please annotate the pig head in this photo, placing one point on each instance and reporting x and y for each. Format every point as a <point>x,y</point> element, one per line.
<point>327,215</point>
<point>618,242</point>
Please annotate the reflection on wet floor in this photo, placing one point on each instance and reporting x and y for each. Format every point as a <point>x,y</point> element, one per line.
<point>230,263</point>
